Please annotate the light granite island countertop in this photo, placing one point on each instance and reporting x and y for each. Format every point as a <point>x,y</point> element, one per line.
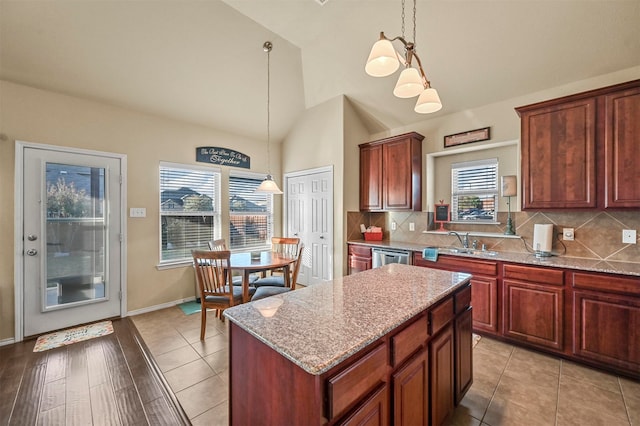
<point>319,326</point>
<point>348,350</point>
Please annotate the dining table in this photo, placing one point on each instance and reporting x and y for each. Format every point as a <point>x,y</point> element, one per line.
<point>260,261</point>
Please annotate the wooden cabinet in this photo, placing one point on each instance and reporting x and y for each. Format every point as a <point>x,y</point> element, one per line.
<point>484,286</point>
<point>373,412</point>
<point>441,354</point>
<point>582,151</point>
<point>358,258</point>
<point>411,391</point>
<point>533,305</point>
<point>606,322</point>
<point>463,359</point>
<point>622,148</point>
<point>391,174</point>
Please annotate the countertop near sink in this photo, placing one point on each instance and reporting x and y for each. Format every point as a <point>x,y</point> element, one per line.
<point>595,265</point>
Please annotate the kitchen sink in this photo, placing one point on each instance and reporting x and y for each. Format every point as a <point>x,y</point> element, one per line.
<point>462,250</point>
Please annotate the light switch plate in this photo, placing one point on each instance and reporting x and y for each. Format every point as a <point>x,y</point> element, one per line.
<point>137,212</point>
<point>412,226</point>
<point>628,236</point>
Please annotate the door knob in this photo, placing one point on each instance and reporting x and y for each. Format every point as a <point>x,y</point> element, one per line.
<point>32,252</point>
<point>32,237</point>
<point>322,237</point>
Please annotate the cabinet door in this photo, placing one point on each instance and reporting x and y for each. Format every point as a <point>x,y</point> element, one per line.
<point>397,176</point>
<point>411,392</point>
<point>464,358</point>
<point>371,178</point>
<point>622,149</point>
<point>559,156</point>
<point>607,329</point>
<point>532,313</point>
<point>358,264</point>
<point>442,384</point>
<point>373,412</point>
<point>484,299</point>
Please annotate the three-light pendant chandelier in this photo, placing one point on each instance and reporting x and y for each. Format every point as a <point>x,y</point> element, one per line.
<point>384,60</point>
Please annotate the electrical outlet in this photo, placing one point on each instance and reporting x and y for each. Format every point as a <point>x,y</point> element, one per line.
<point>394,225</point>
<point>137,212</point>
<point>568,234</point>
<point>628,236</point>
<point>412,226</point>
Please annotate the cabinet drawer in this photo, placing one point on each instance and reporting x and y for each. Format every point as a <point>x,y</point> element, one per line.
<point>361,251</point>
<point>465,264</point>
<point>537,275</point>
<point>607,283</point>
<point>462,299</point>
<point>409,340</point>
<point>441,315</point>
<point>354,382</point>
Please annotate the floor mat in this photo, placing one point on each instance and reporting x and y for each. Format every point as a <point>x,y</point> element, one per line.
<point>189,308</point>
<point>72,335</point>
<point>476,339</point>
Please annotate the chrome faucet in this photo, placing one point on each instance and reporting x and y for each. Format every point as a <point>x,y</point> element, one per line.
<point>463,240</point>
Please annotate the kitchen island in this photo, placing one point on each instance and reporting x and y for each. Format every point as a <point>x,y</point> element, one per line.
<point>392,344</point>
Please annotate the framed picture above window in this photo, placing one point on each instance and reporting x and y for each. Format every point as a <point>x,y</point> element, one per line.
<point>474,191</point>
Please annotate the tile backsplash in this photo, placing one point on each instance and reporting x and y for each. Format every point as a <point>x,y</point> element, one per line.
<point>598,235</point>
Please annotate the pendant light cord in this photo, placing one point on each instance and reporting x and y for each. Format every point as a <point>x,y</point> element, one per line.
<point>267,48</point>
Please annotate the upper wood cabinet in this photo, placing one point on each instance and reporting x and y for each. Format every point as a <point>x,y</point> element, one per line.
<point>582,151</point>
<point>391,174</point>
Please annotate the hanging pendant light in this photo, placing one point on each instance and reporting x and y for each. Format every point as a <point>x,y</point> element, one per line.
<point>384,60</point>
<point>268,185</point>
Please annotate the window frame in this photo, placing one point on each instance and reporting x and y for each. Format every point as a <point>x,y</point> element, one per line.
<point>259,177</point>
<point>456,192</point>
<point>216,174</point>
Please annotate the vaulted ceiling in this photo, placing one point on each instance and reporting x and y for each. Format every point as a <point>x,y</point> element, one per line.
<point>202,61</point>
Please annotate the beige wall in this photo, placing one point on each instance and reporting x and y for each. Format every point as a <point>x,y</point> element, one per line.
<point>33,115</point>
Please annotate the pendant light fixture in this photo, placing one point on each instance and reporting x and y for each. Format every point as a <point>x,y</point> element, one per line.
<point>384,60</point>
<point>268,185</point>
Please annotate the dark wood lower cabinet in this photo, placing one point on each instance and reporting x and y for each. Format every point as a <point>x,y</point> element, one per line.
<point>484,299</point>
<point>373,412</point>
<point>411,391</point>
<point>442,374</point>
<point>464,359</point>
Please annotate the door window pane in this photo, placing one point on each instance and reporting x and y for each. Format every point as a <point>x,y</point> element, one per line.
<point>189,210</point>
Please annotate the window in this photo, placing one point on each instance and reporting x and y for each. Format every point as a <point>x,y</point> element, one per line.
<point>474,190</point>
<point>250,214</point>
<point>189,210</point>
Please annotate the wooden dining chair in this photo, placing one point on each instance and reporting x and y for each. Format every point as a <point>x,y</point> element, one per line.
<point>272,290</point>
<point>218,245</point>
<point>284,245</point>
<point>214,282</point>
<point>221,244</point>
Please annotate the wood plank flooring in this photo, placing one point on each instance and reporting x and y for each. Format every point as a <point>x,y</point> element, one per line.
<point>107,380</point>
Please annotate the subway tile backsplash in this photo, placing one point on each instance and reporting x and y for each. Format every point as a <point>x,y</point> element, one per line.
<point>598,235</point>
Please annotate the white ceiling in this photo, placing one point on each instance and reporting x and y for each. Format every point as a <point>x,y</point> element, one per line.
<point>202,61</point>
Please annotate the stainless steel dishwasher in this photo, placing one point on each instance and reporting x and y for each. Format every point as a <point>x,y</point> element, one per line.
<point>384,256</point>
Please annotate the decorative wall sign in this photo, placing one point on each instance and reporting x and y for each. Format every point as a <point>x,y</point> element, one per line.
<point>222,156</point>
<point>467,137</point>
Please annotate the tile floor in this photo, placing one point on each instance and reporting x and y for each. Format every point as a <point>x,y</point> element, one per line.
<point>512,386</point>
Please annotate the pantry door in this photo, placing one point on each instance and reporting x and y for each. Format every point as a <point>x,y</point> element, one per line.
<point>71,255</point>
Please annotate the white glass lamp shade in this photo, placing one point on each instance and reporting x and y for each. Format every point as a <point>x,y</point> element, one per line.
<point>409,84</point>
<point>509,186</point>
<point>383,59</point>
<point>428,102</point>
<point>268,186</point>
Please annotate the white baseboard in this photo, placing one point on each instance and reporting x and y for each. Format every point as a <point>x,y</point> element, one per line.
<point>158,307</point>
<point>9,341</point>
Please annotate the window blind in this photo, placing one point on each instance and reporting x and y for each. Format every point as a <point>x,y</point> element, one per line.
<point>250,214</point>
<point>474,189</point>
<point>189,210</point>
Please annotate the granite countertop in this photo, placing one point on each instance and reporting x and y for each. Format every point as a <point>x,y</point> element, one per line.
<point>594,265</point>
<point>319,326</point>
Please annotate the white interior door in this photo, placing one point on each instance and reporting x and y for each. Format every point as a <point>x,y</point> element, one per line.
<point>309,197</point>
<point>71,262</point>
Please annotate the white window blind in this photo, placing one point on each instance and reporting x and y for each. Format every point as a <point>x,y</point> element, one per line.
<point>189,210</point>
<point>474,190</point>
<point>250,214</point>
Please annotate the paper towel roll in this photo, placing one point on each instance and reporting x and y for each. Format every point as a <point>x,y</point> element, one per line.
<point>542,237</point>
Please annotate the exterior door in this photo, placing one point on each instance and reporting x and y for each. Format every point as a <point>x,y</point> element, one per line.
<point>310,217</point>
<point>71,257</point>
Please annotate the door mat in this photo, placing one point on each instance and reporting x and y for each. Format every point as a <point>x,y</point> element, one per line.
<point>476,339</point>
<point>191,307</point>
<point>72,335</point>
